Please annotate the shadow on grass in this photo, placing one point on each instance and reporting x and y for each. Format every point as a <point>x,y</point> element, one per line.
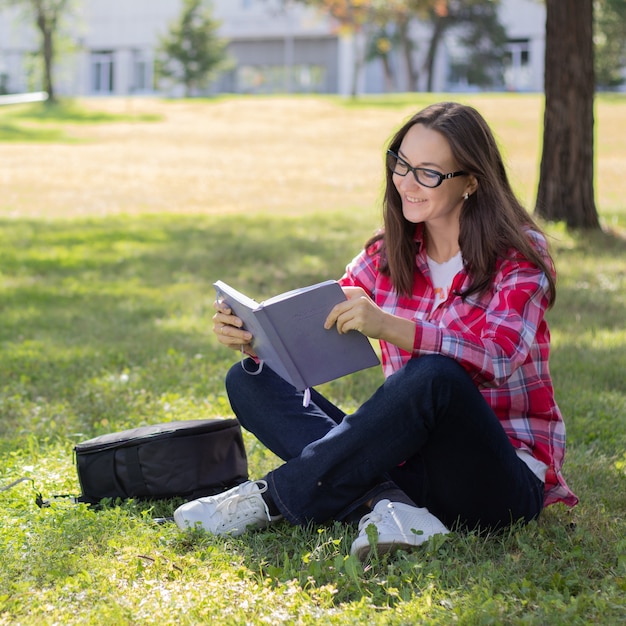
<point>63,112</point>
<point>107,323</point>
<point>104,323</point>
<point>10,132</point>
<point>69,112</point>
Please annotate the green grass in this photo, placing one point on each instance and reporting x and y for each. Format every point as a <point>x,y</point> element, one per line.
<point>69,111</point>
<point>105,325</point>
<point>32,122</point>
<point>10,132</point>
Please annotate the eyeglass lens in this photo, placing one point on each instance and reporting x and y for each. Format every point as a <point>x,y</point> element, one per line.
<point>426,177</point>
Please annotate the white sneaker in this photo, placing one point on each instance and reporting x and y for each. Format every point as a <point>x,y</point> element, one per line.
<point>399,526</point>
<point>229,513</point>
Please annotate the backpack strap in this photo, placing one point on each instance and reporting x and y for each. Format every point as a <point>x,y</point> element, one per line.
<point>135,475</point>
<point>39,501</point>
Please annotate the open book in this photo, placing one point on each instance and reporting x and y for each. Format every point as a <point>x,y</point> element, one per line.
<point>289,335</point>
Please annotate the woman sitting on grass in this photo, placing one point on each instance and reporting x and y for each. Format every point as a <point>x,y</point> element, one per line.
<point>465,431</point>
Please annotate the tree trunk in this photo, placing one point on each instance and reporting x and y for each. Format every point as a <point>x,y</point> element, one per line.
<point>389,77</point>
<point>48,51</point>
<point>407,51</point>
<point>566,191</point>
<point>439,28</point>
<point>358,44</point>
<point>47,27</point>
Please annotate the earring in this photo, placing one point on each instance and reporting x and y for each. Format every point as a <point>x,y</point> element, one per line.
<point>466,196</point>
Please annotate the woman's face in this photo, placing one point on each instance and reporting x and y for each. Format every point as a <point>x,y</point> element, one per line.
<point>423,147</point>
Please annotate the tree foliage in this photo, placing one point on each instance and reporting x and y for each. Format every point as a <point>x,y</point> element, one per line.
<point>395,18</point>
<point>191,53</point>
<point>610,42</point>
<point>47,17</point>
<point>358,17</point>
<point>482,35</point>
<point>386,25</point>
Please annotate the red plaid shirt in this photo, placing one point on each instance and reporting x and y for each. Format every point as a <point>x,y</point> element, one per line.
<point>501,338</point>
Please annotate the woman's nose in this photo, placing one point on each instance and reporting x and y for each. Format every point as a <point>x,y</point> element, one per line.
<point>409,181</point>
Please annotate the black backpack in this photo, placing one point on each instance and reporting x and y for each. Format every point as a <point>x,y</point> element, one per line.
<point>187,459</point>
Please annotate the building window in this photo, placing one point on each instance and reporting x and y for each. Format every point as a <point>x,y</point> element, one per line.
<point>280,78</point>
<point>140,73</point>
<point>102,72</point>
<point>517,65</point>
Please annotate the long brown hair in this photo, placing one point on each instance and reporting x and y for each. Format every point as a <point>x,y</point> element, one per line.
<point>492,221</point>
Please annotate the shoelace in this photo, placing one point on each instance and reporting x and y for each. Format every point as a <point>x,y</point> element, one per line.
<point>241,501</point>
<point>370,518</point>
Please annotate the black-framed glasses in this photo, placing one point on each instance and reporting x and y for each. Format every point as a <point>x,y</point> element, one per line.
<point>424,176</point>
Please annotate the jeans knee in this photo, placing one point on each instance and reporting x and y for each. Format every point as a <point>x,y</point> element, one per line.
<point>246,391</point>
<point>235,384</point>
<point>433,367</point>
<point>434,377</point>
<point>232,380</point>
<point>241,374</point>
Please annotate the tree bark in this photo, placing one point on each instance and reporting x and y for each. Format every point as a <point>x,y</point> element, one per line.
<point>407,50</point>
<point>48,58</point>
<point>47,20</point>
<point>439,27</point>
<point>389,76</point>
<point>566,187</point>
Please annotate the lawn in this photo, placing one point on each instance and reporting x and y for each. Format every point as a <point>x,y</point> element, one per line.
<point>117,215</point>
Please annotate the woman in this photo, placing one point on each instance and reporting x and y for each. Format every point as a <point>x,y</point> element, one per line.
<point>465,431</point>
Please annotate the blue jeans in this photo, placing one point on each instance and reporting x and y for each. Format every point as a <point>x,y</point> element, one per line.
<point>427,430</point>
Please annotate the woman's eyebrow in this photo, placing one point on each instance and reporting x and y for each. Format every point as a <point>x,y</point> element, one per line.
<point>427,163</point>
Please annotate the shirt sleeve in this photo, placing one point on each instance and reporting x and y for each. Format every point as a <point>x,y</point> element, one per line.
<point>491,335</point>
<point>362,271</point>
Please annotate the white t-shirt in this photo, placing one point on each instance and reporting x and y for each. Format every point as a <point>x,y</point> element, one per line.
<point>442,275</point>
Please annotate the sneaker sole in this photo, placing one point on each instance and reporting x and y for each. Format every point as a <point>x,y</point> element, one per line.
<point>362,549</point>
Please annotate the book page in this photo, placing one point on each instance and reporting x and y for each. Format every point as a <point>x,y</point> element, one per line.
<point>295,292</point>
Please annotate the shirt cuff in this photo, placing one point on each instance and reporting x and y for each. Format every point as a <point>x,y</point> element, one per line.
<point>427,339</point>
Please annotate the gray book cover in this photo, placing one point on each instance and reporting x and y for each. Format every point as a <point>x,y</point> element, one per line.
<point>289,334</point>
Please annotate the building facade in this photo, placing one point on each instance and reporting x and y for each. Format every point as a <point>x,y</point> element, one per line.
<point>109,48</point>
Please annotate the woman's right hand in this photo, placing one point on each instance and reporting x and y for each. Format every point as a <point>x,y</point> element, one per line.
<point>228,329</point>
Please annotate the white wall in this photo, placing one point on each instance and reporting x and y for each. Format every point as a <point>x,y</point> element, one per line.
<point>124,32</point>
<point>267,18</point>
<point>127,23</point>
<point>526,19</point>
<point>15,42</point>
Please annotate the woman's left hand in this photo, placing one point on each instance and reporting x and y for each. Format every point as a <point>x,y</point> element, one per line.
<point>358,312</point>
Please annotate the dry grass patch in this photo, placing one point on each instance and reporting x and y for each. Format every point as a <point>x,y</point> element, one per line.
<point>277,154</point>
<point>209,157</point>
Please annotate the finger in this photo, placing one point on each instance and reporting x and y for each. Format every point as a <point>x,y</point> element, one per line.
<point>231,335</point>
<point>334,314</point>
<point>227,319</point>
<point>353,292</point>
<point>330,320</point>
<point>346,321</point>
<point>222,310</point>
<point>222,307</point>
